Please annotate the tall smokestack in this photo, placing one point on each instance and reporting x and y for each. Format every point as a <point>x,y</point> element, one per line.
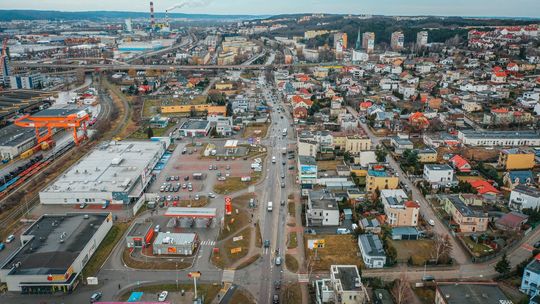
<point>152,20</point>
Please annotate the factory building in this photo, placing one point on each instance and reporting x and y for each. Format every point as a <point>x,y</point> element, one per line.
<point>114,173</point>
<point>54,251</point>
<point>15,140</point>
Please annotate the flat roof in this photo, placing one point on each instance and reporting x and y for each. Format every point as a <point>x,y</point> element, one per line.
<point>58,112</point>
<point>530,191</point>
<point>140,229</point>
<point>322,200</point>
<point>191,212</point>
<point>12,135</point>
<point>347,275</point>
<point>175,238</point>
<point>194,125</point>
<point>471,293</point>
<point>111,167</point>
<point>307,160</point>
<point>501,134</point>
<point>45,254</point>
<point>435,167</point>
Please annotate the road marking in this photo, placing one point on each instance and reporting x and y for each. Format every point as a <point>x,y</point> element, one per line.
<point>208,243</point>
<point>527,247</point>
<point>228,275</point>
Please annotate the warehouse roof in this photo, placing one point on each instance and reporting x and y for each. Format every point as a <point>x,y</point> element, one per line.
<point>57,241</point>
<point>112,167</point>
<point>12,135</point>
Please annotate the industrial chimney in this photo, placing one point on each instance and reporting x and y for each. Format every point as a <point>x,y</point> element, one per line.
<point>152,20</point>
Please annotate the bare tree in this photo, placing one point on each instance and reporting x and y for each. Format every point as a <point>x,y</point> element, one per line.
<point>401,290</point>
<point>442,248</point>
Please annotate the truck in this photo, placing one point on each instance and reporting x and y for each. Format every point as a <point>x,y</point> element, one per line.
<point>269,207</point>
<point>283,151</point>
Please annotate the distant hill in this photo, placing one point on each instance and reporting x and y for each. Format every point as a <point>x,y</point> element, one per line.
<point>9,15</point>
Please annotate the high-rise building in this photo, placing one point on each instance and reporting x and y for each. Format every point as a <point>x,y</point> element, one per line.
<point>368,41</point>
<point>340,37</point>
<point>129,27</point>
<point>4,65</point>
<point>422,38</point>
<point>397,40</point>
<point>358,44</point>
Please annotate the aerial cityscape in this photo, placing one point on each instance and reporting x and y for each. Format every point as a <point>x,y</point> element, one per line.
<point>306,152</point>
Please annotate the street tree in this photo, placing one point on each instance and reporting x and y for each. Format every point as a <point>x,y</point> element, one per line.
<point>380,154</point>
<point>401,290</point>
<point>442,248</point>
<point>503,266</point>
<point>149,132</point>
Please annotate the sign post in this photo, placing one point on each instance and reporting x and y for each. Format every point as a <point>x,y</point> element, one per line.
<point>228,205</point>
<point>194,275</point>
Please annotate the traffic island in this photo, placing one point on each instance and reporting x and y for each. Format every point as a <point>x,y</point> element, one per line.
<point>178,293</point>
<point>230,251</point>
<point>143,261</point>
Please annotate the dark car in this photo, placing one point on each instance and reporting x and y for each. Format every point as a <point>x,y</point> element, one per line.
<point>537,245</point>
<point>266,243</point>
<point>95,297</point>
<point>277,284</point>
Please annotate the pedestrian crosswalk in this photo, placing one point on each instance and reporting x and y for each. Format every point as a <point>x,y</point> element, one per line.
<point>208,243</point>
<point>303,278</point>
<point>228,276</point>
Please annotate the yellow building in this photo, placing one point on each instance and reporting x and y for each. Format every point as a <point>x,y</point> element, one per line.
<point>354,144</point>
<point>339,140</point>
<point>427,155</point>
<point>358,170</point>
<point>224,86</point>
<point>226,58</point>
<point>381,176</point>
<point>186,109</point>
<point>516,159</point>
<point>466,212</point>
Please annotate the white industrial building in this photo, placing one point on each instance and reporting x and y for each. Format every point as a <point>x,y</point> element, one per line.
<point>175,243</point>
<point>499,138</point>
<point>54,251</point>
<point>115,173</point>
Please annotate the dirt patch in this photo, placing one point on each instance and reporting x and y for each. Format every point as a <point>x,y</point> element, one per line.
<point>292,241</point>
<point>418,251</point>
<point>104,250</point>
<point>208,291</point>
<point>254,131</point>
<point>234,184</point>
<point>328,165</point>
<point>231,251</point>
<point>292,263</point>
<point>292,294</point>
<point>242,297</point>
<point>233,223</point>
<point>338,250</point>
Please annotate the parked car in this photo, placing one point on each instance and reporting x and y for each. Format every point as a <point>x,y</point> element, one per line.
<point>211,195</point>
<point>95,296</point>
<point>210,167</point>
<point>343,231</point>
<point>309,231</point>
<point>278,261</point>
<point>2,246</point>
<point>82,205</point>
<point>156,229</point>
<point>197,197</point>
<point>266,243</point>
<point>163,296</point>
<point>431,222</point>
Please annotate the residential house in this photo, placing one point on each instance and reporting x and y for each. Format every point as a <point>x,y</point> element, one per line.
<point>512,221</point>
<point>469,293</point>
<point>372,250</point>
<point>399,210</point>
<point>516,159</point>
<point>439,175</point>
<point>459,163</point>
<point>370,225</point>
<point>354,144</point>
<point>307,172</point>
<point>426,155</point>
<point>484,188</point>
<point>400,144</point>
<point>466,211</point>
<point>300,113</point>
<point>524,197</point>
<point>381,176</point>
<point>522,177</point>
<point>530,282</point>
<point>322,209</point>
<point>344,286</point>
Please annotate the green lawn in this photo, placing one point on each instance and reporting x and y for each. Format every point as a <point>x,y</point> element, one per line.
<point>477,249</point>
<point>104,250</point>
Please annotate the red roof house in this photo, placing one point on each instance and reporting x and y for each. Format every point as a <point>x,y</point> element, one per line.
<point>459,163</point>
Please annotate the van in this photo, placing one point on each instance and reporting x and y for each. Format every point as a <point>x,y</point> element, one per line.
<point>273,159</point>
<point>269,206</point>
<point>255,165</point>
<point>343,231</point>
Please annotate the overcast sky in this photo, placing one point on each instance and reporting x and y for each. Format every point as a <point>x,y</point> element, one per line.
<point>511,8</point>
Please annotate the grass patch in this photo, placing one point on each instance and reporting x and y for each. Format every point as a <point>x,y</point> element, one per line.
<point>233,223</point>
<point>426,295</point>
<point>241,297</point>
<point>338,250</point>
<point>258,130</point>
<point>292,294</point>
<point>292,263</point>
<point>104,250</point>
<point>252,259</point>
<point>477,250</point>
<point>419,251</point>
<point>209,291</point>
<point>292,209</point>
<point>141,133</point>
<point>293,240</point>
<point>153,263</point>
<point>203,201</point>
<point>258,235</point>
<point>235,184</point>
<point>225,258</point>
<point>469,178</point>
<point>150,108</point>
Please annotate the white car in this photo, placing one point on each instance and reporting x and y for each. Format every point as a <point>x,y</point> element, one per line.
<point>10,238</point>
<point>163,296</point>
<point>431,222</point>
<point>211,195</point>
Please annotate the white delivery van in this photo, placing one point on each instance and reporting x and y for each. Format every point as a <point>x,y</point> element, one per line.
<point>273,159</point>
<point>269,206</point>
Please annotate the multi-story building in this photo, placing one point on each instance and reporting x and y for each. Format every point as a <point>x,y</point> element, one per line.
<point>28,81</point>
<point>530,281</point>
<point>340,38</point>
<point>399,210</point>
<point>466,212</point>
<point>499,138</point>
<point>422,38</point>
<point>397,41</point>
<point>307,172</point>
<point>368,41</point>
<point>439,175</point>
<point>354,144</point>
<point>372,250</point>
<point>469,293</point>
<point>344,286</point>
<point>401,143</point>
<point>516,159</point>
<point>322,209</point>
<point>524,197</point>
<point>381,176</point>
<point>427,155</point>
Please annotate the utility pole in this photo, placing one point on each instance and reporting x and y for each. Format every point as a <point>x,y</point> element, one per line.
<point>194,275</point>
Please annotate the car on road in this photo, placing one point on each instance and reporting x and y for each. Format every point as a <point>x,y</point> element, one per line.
<point>266,243</point>
<point>275,299</point>
<point>343,231</point>
<point>211,195</point>
<point>95,296</point>
<point>156,229</point>
<point>282,185</point>
<point>537,245</point>
<point>197,197</point>
<point>277,285</point>
<point>273,159</point>
<point>278,261</point>
<point>431,222</point>
<point>163,296</point>
<point>282,203</point>
<point>83,205</point>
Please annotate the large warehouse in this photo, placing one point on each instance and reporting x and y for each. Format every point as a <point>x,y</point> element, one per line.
<point>114,173</point>
<point>55,250</point>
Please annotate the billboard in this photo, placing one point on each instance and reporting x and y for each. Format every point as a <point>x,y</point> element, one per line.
<point>308,171</point>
